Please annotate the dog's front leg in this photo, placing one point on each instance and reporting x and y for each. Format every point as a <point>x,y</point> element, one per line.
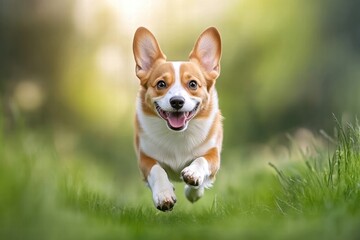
<point>200,174</point>
<point>162,190</point>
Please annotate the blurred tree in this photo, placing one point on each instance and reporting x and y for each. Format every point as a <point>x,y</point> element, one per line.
<point>33,36</point>
<point>285,64</point>
<point>288,64</point>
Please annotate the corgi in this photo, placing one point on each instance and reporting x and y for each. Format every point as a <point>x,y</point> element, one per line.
<point>178,124</point>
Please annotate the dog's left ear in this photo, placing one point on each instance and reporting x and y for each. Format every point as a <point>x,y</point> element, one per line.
<point>207,52</point>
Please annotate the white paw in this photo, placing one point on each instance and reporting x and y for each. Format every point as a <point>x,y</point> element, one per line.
<point>193,176</point>
<point>164,199</point>
<point>193,194</point>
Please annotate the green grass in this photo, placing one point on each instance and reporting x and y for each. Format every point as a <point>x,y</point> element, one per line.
<point>44,195</point>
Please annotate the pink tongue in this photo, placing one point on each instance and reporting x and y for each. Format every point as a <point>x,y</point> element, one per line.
<point>176,119</point>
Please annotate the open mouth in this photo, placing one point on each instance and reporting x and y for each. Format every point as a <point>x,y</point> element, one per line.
<point>176,120</point>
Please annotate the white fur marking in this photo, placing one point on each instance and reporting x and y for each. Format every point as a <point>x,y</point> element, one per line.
<point>177,90</point>
<point>175,149</point>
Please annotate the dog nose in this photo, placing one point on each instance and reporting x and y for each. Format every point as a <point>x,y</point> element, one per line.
<point>177,102</point>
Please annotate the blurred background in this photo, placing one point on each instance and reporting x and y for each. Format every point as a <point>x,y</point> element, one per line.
<point>67,70</point>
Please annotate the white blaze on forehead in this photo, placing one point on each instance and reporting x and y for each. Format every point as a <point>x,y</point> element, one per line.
<point>177,89</point>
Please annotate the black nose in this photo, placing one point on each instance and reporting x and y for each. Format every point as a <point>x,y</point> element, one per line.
<point>177,102</point>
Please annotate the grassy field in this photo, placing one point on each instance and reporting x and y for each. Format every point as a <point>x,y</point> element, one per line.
<point>43,196</point>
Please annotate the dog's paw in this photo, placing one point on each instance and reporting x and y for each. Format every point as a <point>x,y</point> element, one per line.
<point>192,176</point>
<point>193,194</point>
<point>164,200</point>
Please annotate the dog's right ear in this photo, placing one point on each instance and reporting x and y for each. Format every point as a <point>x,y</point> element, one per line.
<point>146,52</point>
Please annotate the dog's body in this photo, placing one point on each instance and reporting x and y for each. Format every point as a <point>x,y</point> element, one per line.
<point>178,121</point>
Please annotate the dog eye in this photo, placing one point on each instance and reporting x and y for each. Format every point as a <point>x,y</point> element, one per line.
<point>193,85</point>
<point>161,84</point>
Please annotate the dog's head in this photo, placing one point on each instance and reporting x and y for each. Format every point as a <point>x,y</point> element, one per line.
<point>177,91</point>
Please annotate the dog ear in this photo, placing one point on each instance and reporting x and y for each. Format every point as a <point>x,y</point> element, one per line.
<point>146,52</point>
<point>207,52</point>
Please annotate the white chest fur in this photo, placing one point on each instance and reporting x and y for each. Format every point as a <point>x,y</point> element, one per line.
<point>175,150</point>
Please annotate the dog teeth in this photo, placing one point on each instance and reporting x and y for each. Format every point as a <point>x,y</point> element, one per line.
<point>166,114</point>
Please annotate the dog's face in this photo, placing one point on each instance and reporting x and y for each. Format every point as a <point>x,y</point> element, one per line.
<point>177,92</point>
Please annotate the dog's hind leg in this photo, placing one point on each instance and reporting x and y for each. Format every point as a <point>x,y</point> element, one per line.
<point>200,174</point>
<point>193,193</point>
